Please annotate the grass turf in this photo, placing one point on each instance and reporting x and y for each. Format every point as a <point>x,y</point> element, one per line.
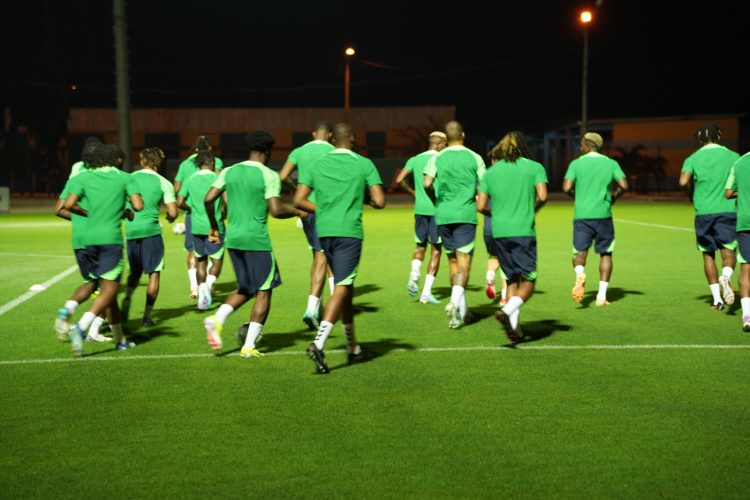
<point>437,413</point>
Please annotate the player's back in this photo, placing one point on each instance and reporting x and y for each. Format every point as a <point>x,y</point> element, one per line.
<point>710,167</point>
<point>248,185</point>
<point>195,190</point>
<point>593,174</point>
<point>152,187</point>
<point>106,190</point>
<point>458,170</point>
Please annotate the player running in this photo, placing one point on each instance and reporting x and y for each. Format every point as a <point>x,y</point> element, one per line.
<point>738,186</point>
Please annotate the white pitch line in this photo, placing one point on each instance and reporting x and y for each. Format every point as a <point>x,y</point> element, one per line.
<point>31,225</point>
<point>43,255</point>
<point>603,347</point>
<point>660,226</point>
<point>26,296</point>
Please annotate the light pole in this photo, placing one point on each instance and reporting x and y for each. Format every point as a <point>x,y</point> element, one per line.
<point>349,52</point>
<point>586,18</point>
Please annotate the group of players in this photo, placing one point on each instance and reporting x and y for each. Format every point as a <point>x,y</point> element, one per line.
<point>451,185</point>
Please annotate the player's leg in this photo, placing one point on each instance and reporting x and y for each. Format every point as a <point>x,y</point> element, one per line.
<point>489,277</point>
<point>80,295</point>
<point>463,235</point>
<point>421,236</point>
<point>318,270</point>
<point>258,317</point>
<point>427,297</point>
<point>518,259</point>
<point>583,236</point>
<point>728,261</point>
<point>605,245</point>
<point>152,293</point>
<point>191,261</point>
<point>135,266</point>
<point>712,276</point>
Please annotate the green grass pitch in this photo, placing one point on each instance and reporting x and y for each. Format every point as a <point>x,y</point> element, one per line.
<point>648,397</point>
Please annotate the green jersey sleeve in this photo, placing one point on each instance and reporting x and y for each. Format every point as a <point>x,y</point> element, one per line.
<point>619,174</point>
<point>481,167</point>
<point>75,186</point>
<point>293,156</point>
<point>306,177</point>
<point>183,190</point>
<point>221,182</point>
<point>731,180</point>
<point>372,176</point>
<point>540,176</point>
<point>272,182</point>
<point>688,166</point>
<point>131,186</point>
<point>218,163</point>
<point>483,185</point>
<point>570,175</point>
<point>409,164</point>
<point>431,167</point>
<point>167,191</point>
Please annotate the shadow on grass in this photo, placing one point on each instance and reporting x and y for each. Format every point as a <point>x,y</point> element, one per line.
<point>613,295</point>
<point>360,290</point>
<point>378,349</point>
<point>730,310</point>
<point>144,335</point>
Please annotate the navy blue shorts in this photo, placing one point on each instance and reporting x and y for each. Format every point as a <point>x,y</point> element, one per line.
<point>517,257</point>
<point>458,237</point>
<point>716,231</point>
<point>743,247</point>
<point>255,270</point>
<point>188,232</point>
<point>489,242</point>
<point>106,262</point>
<point>586,231</point>
<point>204,248</point>
<point>146,255</point>
<point>426,230</point>
<point>308,226</point>
<point>343,256</point>
<point>84,263</point>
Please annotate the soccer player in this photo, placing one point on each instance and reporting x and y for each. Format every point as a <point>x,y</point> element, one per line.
<point>425,228</point>
<point>517,186</point>
<point>252,192</point>
<point>715,216</point>
<point>302,158</point>
<point>455,172</point>
<point>145,245</point>
<point>738,186</point>
<point>339,180</point>
<point>588,180</point>
<point>191,198</point>
<point>493,265</point>
<point>105,189</point>
<point>186,169</point>
<point>92,148</point>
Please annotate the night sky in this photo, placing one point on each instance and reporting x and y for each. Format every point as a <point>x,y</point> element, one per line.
<point>515,65</point>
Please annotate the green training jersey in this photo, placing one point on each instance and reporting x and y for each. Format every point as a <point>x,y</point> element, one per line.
<point>710,168</point>
<point>512,188</point>
<point>307,154</point>
<point>423,205</point>
<point>194,191</point>
<point>339,180</point>
<point>248,185</point>
<point>78,222</point>
<point>188,167</point>
<point>739,181</point>
<point>457,170</point>
<point>593,174</point>
<point>106,190</point>
<point>154,189</point>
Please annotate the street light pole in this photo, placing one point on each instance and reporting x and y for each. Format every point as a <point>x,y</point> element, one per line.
<point>347,76</point>
<point>586,18</point>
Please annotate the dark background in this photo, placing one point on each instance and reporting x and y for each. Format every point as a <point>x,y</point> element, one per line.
<point>510,65</point>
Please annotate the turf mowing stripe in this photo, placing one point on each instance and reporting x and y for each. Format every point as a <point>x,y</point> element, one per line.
<point>423,349</point>
<point>26,296</point>
<point>660,226</point>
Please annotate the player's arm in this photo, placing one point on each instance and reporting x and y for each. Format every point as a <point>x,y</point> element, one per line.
<point>541,196</point>
<point>568,187</point>
<point>171,212</point>
<point>621,185</point>
<point>212,195</point>
<point>482,199</point>
<point>279,210</point>
<point>300,199</point>
<point>377,196</point>
<point>182,203</point>
<point>71,205</point>
<point>401,181</point>
<point>686,184</point>
<point>136,202</point>
<point>286,174</point>
<point>730,190</point>
<point>60,210</point>
<point>429,188</point>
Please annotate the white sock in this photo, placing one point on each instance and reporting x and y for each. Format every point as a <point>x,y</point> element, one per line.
<point>324,330</point>
<point>349,333</point>
<point>504,293</point>
<point>514,317</point>
<point>223,313</point>
<point>71,306</point>
<point>416,266</point>
<point>331,284</point>
<point>129,292</point>
<point>210,280</point>
<point>85,322</point>
<point>490,276</point>
<point>117,332</point>
<point>462,306</point>
<point>727,271</point>
<point>313,303</point>
<point>745,301</point>
<point>513,305</point>
<point>95,325</point>
<point>602,295</point>
<point>456,293</point>
<point>578,269</point>
<point>715,293</point>
<point>253,332</point>
<point>429,279</point>
<point>193,276</point>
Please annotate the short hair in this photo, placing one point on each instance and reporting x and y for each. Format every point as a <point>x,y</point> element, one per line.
<point>92,155</point>
<point>260,141</point>
<point>454,131</point>
<point>512,147</point>
<point>593,140</point>
<point>201,143</point>
<point>152,157</point>
<point>437,137</point>
<point>323,125</point>
<point>112,153</point>
<point>342,132</point>
<point>91,139</point>
<point>708,133</point>
<point>203,158</point>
